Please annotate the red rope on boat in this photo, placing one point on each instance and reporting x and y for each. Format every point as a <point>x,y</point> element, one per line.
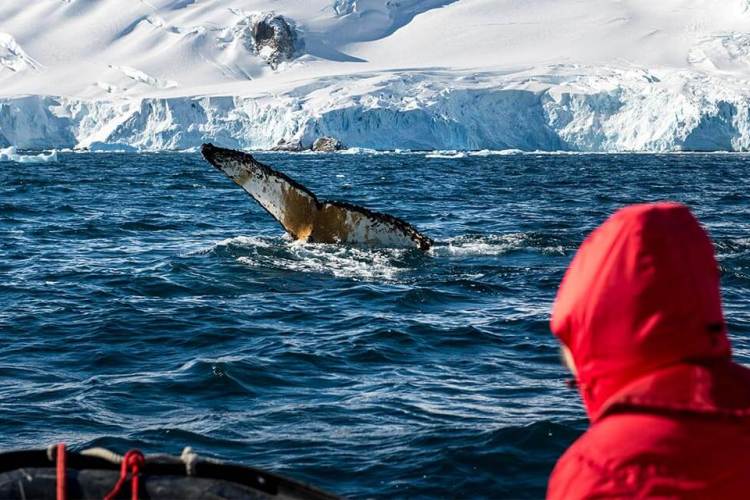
<point>62,493</point>
<point>132,463</point>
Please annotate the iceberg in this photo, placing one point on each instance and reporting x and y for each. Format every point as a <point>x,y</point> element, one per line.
<point>10,154</point>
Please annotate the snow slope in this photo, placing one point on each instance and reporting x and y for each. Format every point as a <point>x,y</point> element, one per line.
<point>589,75</point>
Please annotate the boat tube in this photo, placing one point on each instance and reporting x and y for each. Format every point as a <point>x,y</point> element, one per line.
<point>99,473</point>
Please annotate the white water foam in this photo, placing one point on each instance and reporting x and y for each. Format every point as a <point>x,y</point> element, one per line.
<point>366,264</point>
<point>340,261</point>
<point>490,245</point>
<point>240,242</point>
<point>247,241</point>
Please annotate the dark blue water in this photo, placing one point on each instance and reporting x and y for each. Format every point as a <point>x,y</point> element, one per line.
<point>145,301</point>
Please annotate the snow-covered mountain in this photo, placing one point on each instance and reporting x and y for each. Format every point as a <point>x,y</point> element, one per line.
<point>591,75</point>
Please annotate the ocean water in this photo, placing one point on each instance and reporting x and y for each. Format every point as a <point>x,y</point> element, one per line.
<point>146,301</point>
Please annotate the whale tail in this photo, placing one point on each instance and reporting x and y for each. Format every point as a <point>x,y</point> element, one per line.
<point>305,217</point>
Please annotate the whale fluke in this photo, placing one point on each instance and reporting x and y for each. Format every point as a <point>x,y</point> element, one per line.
<point>305,217</point>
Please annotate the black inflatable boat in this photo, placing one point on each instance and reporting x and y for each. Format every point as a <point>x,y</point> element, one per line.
<point>99,473</point>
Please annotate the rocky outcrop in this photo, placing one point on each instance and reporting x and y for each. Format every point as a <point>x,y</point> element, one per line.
<point>327,144</point>
<point>289,146</point>
<point>274,38</point>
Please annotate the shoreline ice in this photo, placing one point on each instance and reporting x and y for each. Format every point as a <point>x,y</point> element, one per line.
<point>408,112</point>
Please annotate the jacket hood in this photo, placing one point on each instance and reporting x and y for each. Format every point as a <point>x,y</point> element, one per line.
<point>641,295</point>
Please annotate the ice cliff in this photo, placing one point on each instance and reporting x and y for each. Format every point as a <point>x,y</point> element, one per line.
<point>591,75</point>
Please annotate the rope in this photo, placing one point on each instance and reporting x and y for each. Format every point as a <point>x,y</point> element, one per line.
<point>189,458</point>
<point>62,492</point>
<point>131,465</point>
<point>104,454</point>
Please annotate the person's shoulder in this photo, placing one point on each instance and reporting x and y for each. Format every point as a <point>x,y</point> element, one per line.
<point>605,459</point>
<point>629,454</point>
<point>582,472</point>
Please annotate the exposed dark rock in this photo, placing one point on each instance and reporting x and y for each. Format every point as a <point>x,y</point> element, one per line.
<point>327,144</point>
<point>274,39</point>
<point>285,145</point>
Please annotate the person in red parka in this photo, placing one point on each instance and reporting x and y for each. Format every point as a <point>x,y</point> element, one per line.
<point>639,316</point>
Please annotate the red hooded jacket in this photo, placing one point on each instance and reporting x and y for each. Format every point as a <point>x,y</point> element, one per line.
<point>640,310</point>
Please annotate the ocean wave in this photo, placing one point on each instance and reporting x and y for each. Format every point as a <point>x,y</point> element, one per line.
<point>367,264</point>
<point>731,246</point>
<point>477,245</point>
<point>236,242</point>
<point>372,264</point>
<point>339,261</point>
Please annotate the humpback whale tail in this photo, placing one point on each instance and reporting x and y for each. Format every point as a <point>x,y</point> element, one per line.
<point>305,217</point>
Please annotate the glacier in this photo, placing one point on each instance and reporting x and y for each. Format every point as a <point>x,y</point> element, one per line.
<point>588,76</point>
<point>627,111</point>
